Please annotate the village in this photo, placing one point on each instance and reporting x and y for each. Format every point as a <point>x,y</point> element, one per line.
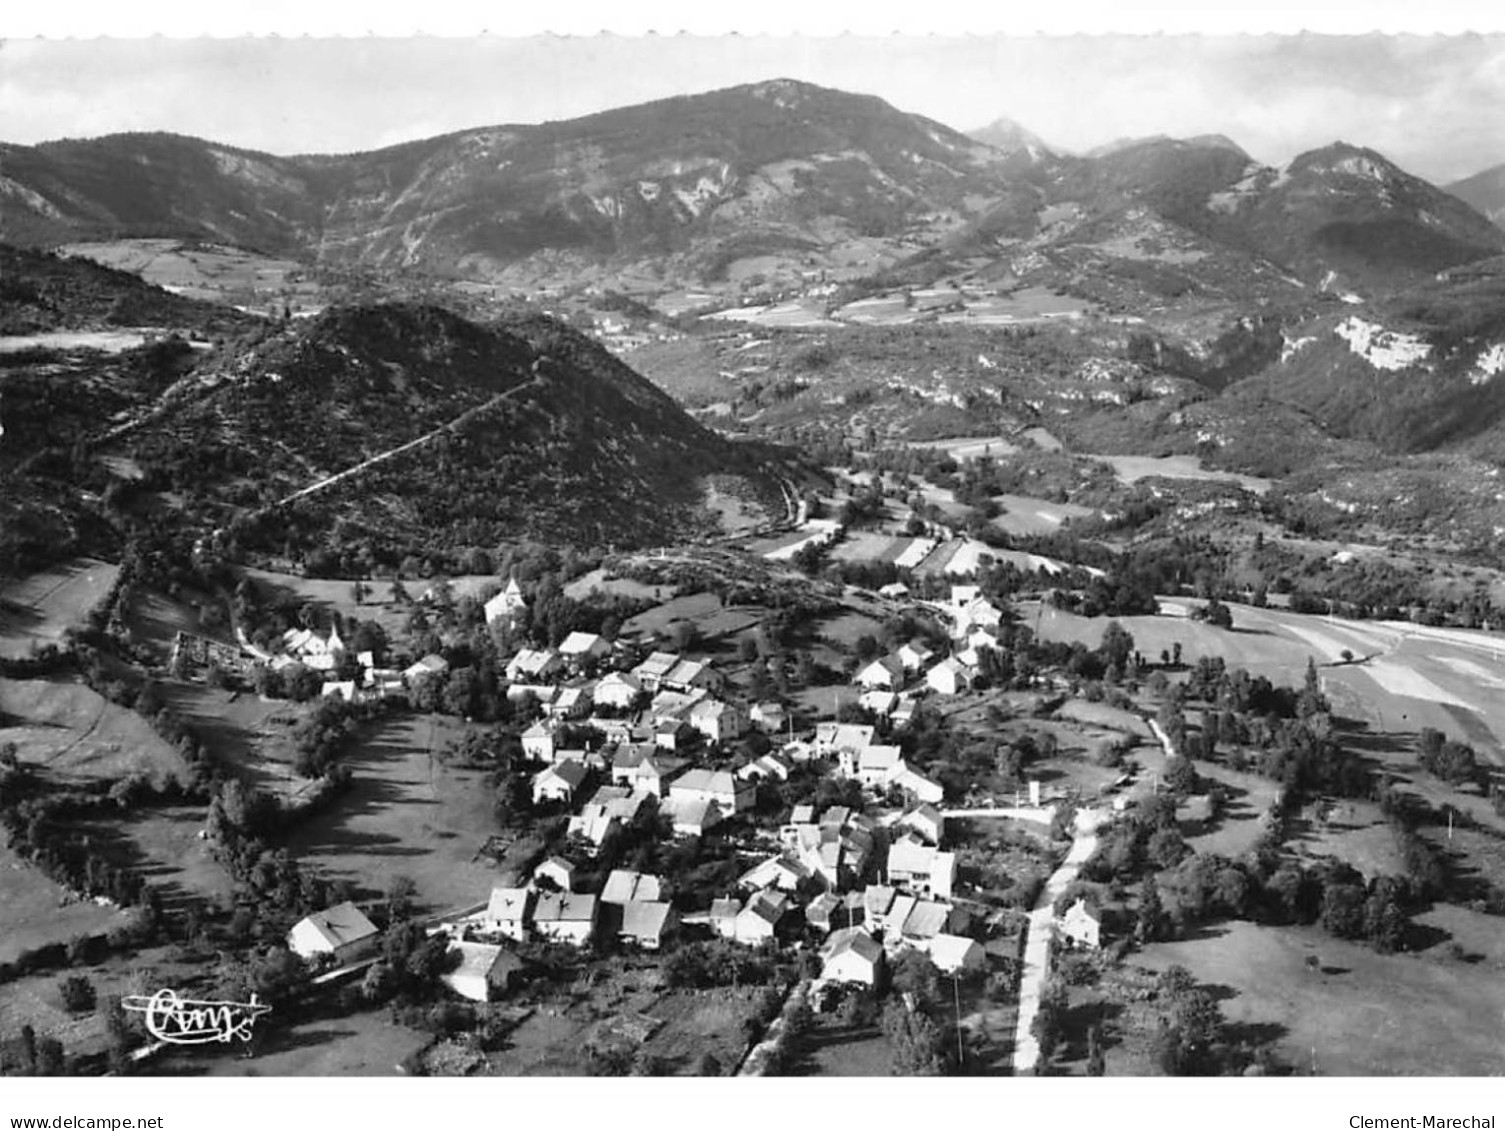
<point>627,745</point>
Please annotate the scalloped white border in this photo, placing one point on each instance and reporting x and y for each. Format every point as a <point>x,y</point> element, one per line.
<point>183,18</point>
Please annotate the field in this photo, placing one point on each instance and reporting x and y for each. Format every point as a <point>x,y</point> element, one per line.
<point>163,846</point>
<point>106,341</point>
<point>37,610</point>
<point>1131,469</point>
<point>360,1044</point>
<point>583,585</point>
<point>76,733</point>
<point>968,447</point>
<point>336,595</point>
<point>1364,1013</point>
<point>406,815</point>
<point>38,911</point>
<point>1024,515</point>
<point>1404,676</point>
<point>205,271</point>
<point>710,617</point>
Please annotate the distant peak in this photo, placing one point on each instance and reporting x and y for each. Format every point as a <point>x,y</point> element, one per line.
<point>1008,136</point>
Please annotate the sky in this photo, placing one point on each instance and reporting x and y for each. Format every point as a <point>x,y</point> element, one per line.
<point>1435,104</point>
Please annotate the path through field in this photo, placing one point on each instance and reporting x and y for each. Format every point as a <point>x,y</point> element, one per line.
<point>464,418</point>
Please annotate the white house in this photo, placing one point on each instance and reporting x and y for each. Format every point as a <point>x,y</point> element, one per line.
<point>431,665</point>
<point>566,917</point>
<point>924,820</point>
<point>581,648</point>
<point>720,786</point>
<point>783,872</point>
<point>556,872</point>
<point>532,665</point>
<point>880,703</point>
<point>570,703</point>
<point>646,923</point>
<point>559,782</point>
<point>951,677</point>
<point>768,766</point>
<point>691,675</point>
<point>651,671</point>
<point>641,768</point>
<point>914,656</point>
<point>483,971</point>
<point>1081,926</point>
<point>718,721</point>
<point>953,954</point>
<point>692,817</point>
<point>922,868</point>
<point>342,930</point>
<point>618,690</point>
<point>538,742</point>
<point>760,917</point>
<point>851,955</point>
<point>884,674</point>
<point>832,737</point>
<point>624,885</point>
<point>507,912</point>
<point>768,717</point>
<point>870,765</point>
<point>905,777</point>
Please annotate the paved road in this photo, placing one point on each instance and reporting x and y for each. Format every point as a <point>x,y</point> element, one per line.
<point>1037,939</point>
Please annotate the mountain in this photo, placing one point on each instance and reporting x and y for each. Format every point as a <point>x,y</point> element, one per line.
<point>1014,141</point>
<point>40,293</point>
<point>463,435</point>
<point>770,186</point>
<point>1484,192</point>
<point>771,167</point>
<point>1347,215</point>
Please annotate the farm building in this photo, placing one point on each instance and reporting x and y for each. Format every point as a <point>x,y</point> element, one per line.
<point>342,931</point>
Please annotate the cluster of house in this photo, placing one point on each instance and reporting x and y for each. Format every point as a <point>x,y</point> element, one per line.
<point>974,622</point>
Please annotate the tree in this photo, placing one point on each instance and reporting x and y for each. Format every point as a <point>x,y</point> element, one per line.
<point>1117,645</point>
<point>917,1041</point>
<point>78,994</point>
<point>359,591</point>
<point>1151,919</point>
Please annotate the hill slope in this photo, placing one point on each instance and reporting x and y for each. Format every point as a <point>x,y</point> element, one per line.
<point>1484,192</point>
<point>524,429</point>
